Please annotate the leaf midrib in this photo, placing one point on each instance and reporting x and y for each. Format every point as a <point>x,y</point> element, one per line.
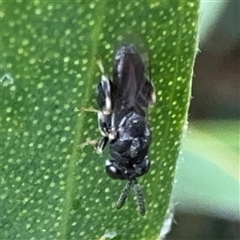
<point>70,183</point>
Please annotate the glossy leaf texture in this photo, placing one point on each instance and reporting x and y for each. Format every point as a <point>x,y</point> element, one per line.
<point>51,187</point>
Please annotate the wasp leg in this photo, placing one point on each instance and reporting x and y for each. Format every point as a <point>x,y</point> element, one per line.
<point>112,132</point>
<point>99,63</point>
<point>147,96</point>
<point>90,109</point>
<point>88,142</point>
<point>140,198</point>
<point>104,95</point>
<point>104,92</point>
<point>153,98</point>
<point>102,124</point>
<point>152,95</point>
<point>124,194</point>
<point>101,120</point>
<point>101,144</point>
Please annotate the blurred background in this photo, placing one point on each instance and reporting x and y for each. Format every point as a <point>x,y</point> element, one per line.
<point>206,199</point>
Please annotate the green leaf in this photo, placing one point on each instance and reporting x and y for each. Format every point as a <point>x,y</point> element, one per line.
<point>51,188</point>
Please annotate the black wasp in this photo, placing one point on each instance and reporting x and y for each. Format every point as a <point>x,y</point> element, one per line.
<point>123,103</point>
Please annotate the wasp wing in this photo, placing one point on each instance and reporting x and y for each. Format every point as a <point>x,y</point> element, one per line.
<point>131,88</point>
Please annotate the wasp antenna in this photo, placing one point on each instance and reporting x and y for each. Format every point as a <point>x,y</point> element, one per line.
<point>124,194</point>
<point>140,198</point>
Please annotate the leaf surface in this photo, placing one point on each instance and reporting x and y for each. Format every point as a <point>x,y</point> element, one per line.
<point>51,188</point>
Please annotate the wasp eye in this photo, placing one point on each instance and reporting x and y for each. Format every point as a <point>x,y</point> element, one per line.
<point>113,171</point>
